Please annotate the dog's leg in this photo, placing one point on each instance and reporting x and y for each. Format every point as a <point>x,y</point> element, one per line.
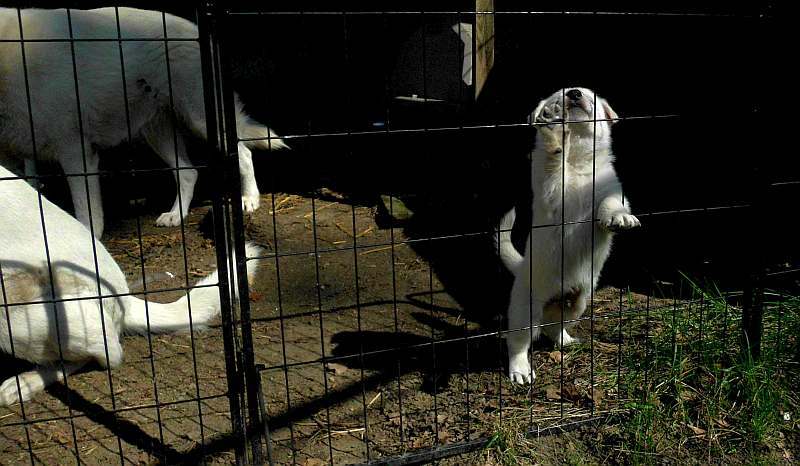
<point>250,194</point>
<point>85,201</point>
<point>519,341</point>
<point>553,329</point>
<point>160,139</point>
<point>32,382</point>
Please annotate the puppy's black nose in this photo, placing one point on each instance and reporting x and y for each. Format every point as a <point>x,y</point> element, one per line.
<point>574,94</point>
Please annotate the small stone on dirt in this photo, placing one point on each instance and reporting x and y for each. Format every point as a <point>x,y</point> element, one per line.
<point>337,369</point>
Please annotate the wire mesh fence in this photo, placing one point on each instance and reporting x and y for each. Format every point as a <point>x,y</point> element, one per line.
<point>375,329</point>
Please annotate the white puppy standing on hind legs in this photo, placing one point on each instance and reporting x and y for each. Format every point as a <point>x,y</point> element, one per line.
<point>51,312</point>
<point>573,180</point>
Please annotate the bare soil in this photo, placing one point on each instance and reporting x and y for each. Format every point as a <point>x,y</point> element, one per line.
<point>384,295</point>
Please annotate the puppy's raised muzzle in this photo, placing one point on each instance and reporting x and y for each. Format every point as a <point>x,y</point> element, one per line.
<point>574,94</point>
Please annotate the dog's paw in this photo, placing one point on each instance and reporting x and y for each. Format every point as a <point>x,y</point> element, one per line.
<point>250,203</point>
<point>519,370</point>
<point>169,219</point>
<point>567,339</point>
<point>620,221</point>
<point>9,394</point>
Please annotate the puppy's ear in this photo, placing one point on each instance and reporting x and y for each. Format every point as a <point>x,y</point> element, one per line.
<point>610,113</point>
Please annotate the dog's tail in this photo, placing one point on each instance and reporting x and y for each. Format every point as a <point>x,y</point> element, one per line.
<point>256,135</point>
<point>174,316</point>
<point>502,237</point>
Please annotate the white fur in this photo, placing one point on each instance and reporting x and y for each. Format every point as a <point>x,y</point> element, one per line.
<point>76,324</point>
<point>54,98</point>
<point>579,133</point>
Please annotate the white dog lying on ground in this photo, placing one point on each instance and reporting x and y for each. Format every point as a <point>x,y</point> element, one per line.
<point>573,180</point>
<point>85,328</point>
<point>72,121</point>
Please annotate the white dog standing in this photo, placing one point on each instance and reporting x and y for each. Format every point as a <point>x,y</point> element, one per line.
<point>61,134</point>
<point>77,322</point>
<point>573,180</point>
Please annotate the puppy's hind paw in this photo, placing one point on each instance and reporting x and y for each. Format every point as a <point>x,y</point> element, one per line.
<point>9,395</point>
<point>620,221</point>
<point>250,203</point>
<point>169,219</point>
<point>521,378</point>
<point>520,371</point>
<point>566,340</point>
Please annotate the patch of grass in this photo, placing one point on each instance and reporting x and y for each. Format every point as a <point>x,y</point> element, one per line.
<point>695,389</point>
<point>507,447</point>
<point>690,388</point>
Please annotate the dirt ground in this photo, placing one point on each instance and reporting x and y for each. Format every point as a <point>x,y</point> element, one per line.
<point>384,391</point>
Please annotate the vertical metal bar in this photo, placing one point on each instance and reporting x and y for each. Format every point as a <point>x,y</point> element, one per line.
<point>237,246</point>
<point>282,320</point>
<point>780,298</point>
<point>674,329</point>
<point>207,17</point>
<point>388,90</point>
<point>563,299</point>
<point>317,276</point>
<point>529,240</point>
<point>752,316</point>
<point>232,142</point>
<point>44,234</point>
<point>465,327</point>
<point>646,358</point>
<point>591,264</point>
<point>619,348</point>
<point>321,324</point>
<point>91,223</point>
<point>262,406</point>
<point>145,296</point>
<point>753,309</point>
<point>396,320</point>
<point>388,118</point>
<point>6,309</point>
<point>177,171</point>
<point>434,375</point>
<point>701,308</point>
<point>348,96</point>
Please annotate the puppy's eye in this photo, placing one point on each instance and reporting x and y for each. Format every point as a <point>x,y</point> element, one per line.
<point>547,114</point>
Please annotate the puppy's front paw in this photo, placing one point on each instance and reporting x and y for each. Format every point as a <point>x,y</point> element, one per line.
<point>250,203</point>
<point>620,221</point>
<point>519,370</point>
<point>169,219</point>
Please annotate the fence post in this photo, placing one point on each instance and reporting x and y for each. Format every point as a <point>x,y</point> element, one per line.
<point>752,315</point>
<point>206,18</point>
<point>754,238</point>
<point>248,367</point>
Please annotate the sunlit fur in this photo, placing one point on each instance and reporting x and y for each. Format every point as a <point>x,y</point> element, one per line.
<point>574,185</point>
<point>102,90</point>
<point>78,326</point>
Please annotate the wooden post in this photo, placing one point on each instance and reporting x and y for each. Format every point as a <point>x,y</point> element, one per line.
<point>484,42</point>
